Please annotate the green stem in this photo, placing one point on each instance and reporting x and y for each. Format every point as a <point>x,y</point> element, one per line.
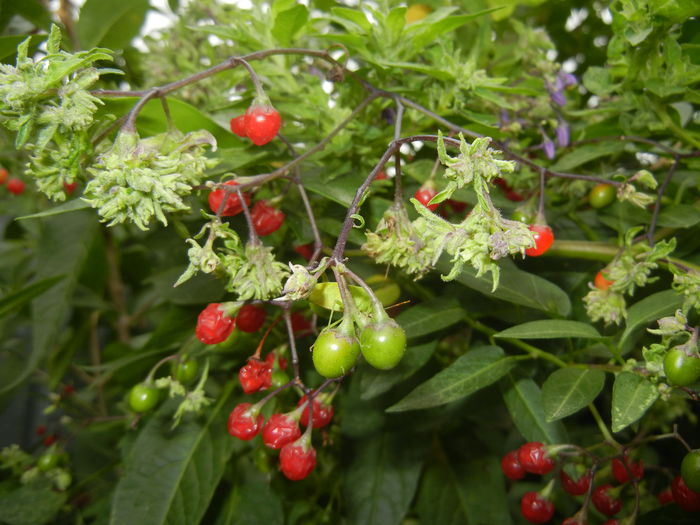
<point>668,121</point>
<point>603,427</point>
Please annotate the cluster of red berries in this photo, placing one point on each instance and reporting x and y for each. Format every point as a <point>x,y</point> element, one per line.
<point>266,219</point>
<point>214,325</point>
<point>260,124</point>
<point>536,507</point>
<point>14,185</point>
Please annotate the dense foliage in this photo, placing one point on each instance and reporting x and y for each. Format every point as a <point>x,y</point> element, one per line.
<point>350,262</point>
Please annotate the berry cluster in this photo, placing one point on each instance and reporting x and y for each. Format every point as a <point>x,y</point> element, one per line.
<point>266,219</point>
<point>215,324</point>
<point>14,185</point>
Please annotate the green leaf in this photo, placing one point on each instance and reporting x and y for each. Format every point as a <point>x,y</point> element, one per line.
<point>111,23</point>
<point>649,309</point>
<point>288,23</point>
<point>679,216</point>
<point>550,329</point>
<point>16,300</point>
<point>252,503</point>
<point>354,16</point>
<point>586,153</point>
<point>381,479</point>
<point>598,80</point>
<point>430,316</point>
<point>63,248</point>
<point>516,286</point>
<point>8,44</point>
<point>66,207</point>
<point>342,190</point>
<point>632,396</point>
<point>375,382</point>
<point>35,503</point>
<point>568,390</point>
<point>524,402</point>
<point>473,371</point>
<point>428,32</point>
<point>170,475</point>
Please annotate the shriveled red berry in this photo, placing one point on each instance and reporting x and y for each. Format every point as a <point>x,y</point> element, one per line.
<point>262,124</point>
<point>323,412</point>
<point>578,486</point>
<point>266,219</point>
<point>280,429</point>
<point>250,318</point>
<point>665,496</point>
<point>686,499</point>
<point>534,459</point>
<point>214,325</point>
<point>424,194</point>
<point>245,421</point>
<point>620,472</point>
<point>15,186</point>
<point>543,240</point>
<point>255,376</point>
<point>606,502</point>
<point>305,250</point>
<point>232,206</point>
<point>535,508</point>
<point>238,125</point>
<point>297,459</point>
<point>601,282</point>
<point>511,467</point>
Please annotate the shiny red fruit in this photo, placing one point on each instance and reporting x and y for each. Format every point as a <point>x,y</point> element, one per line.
<point>543,240</point>
<point>250,318</point>
<point>605,502</point>
<point>535,508</point>
<point>322,415</point>
<point>255,376</point>
<point>684,497</point>
<point>620,472</point>
<point>279,430</point>
<point>232,206</point>
<point>262,124</point>
<point>305,250</point>
<point>15,186</point>
<point>245,423</point>
<point>238,125</point>
<point>424,194</point>
<point>511,466</point>
<point>601,282</point>
<point>213,325</point>
<point>266,219</point>
<point>297,460</point>
<point>665,496</point>
<point>534,459</point>
<point>575,487</point>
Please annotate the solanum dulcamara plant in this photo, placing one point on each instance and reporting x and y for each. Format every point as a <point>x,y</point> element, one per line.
<point>350,262</point>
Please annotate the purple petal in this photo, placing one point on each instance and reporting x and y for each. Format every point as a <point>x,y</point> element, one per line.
<point>568,79</point>
<point>563,134</point>
<point>549,149</point>
<point>558,98</point>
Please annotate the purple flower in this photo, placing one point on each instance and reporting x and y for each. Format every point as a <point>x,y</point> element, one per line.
<point>567,79</point>
<point>505,118</point>
<point>563,133</point>
<point>549,149</point>
<point>558,97</point>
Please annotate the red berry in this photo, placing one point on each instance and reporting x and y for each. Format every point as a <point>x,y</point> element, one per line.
<point>245,423</point>
<point>620,472</point>
<point>262,124</point>
<point>3,175</point>
<point>266,219</point>
<point>50,440</point>
<point>514,196</point>
<point>297,459</point>
<point>68,391</point>
<point>543,240</point>
<point>381,176</point>
<point>255,376</point>
<point>601,282</point>
<point>305,250</point>
<point>250,318</point>
<point>424,194</point>
<point>457,206</point>
<point>40,430</point>
<point>270,360</point>
<point>534,459</point>
<point>323,412</point>
<point>280,429</point>
<point>233,204</point>
<point>15,186</point>
<point>665,496</point>
<point>213,325</point>
<point>511,467</point>
<point>535,508</point>
<point>301,326</point>
<point>238,125</point>
<point>69,187</point>
<point>605,502</point>
<point>684,497</point>
<point>577,487</point>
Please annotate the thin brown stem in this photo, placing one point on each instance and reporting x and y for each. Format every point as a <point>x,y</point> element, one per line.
<point>117,290</point>
<point>657,204</point>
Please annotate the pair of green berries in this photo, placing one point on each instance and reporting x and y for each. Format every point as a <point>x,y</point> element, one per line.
<point>145,396</point>
<point>382,343</point>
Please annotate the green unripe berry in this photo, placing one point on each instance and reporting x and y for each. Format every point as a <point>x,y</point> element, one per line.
<point>334,352</point>
<point>681,369</point>
<point>383,344</point>
<point>690,470</point>
<point>48,461</point>
<point>184,371</point>
<point>143,397</point>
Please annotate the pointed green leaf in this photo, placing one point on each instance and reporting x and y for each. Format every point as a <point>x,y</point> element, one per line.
<point>649,309</point>
<point>568,390</point>
<point>32,504</point>
<point>66,207</point>
<point>524,401</point>
<point>111,23</point>
<point>288,23</point>
<point>632,396</point>
<point>16,300</point>
<point>547,329</point>
<point>430,316</point>
<point>473,371</point>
